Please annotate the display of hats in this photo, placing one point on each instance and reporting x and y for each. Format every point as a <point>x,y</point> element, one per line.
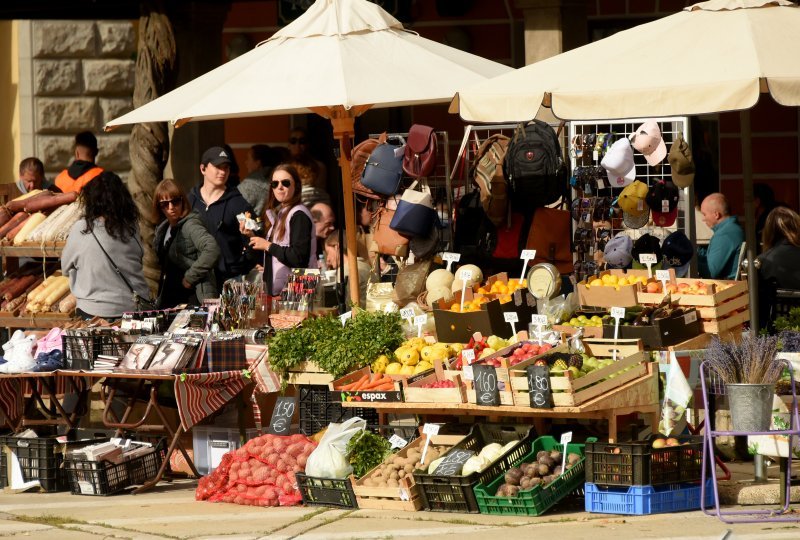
<point>633,221</point>
<point>618,163</point>
<point>647,243</point>
<point>677,250</point>
<point>618,251</point>
<point>663,198</point>
<point>647,140</point>
<point>632,198</point>
<point>681,162</point>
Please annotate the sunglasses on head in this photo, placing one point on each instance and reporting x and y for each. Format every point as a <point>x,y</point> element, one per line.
<point>298,140</point>
<point>284,183</point>
<point>176,201</point>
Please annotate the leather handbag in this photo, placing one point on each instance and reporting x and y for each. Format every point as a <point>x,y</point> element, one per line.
<point>360,155</point>
<point>385,240</point>
<point>550,236</point>
<point>384,169</point>
<point>421,150</point>
<point>415,213</point>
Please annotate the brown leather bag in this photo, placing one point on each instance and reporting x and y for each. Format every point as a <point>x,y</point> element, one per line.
<point>421,149</point>
<point>550,235</point>
<point>360,155</point>
<point>386,240</point>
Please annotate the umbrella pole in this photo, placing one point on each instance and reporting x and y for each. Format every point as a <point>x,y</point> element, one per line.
<point>749,219</point>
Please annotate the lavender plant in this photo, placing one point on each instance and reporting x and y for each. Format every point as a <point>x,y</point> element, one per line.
<point>749,361</point>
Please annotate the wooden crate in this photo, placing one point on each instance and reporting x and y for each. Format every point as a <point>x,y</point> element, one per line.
<point>588,331</point>
<point>413,393</point>
<point>570,392</point>
<point>406,497</point>
<point>715,326</point>
<point>309,373</point>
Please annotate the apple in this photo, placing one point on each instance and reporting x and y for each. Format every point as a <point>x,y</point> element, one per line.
<point>659,443</point>
<point>673,442</point>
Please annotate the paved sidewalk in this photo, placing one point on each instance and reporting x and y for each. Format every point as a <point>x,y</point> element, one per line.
<point>170,511</point>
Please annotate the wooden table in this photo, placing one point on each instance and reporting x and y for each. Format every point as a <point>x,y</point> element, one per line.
<point>54,412</point>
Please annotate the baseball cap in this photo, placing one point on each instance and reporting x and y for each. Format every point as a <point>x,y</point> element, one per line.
<point>647,140</point>
<point>618,251</point>
<point>632,198</point>
<point>618,163</point>
<point>681,163</point>
<point>662,198</point>
<point>633,221</point>
<point>647,243</point>
<point>677,251</point>
<point>216,155</point>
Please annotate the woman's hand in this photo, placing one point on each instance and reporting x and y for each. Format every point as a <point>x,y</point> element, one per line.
<point>244,230</point>
<point>256,242</point>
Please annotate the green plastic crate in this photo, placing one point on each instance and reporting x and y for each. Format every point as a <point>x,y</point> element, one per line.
<point>537,500</point>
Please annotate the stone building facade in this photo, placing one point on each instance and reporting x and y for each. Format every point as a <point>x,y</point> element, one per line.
<point>82,75</point>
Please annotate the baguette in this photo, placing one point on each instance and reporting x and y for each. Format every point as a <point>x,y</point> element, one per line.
<point>30,224</point>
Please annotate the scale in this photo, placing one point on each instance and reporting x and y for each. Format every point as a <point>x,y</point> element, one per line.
<point>544,281</point>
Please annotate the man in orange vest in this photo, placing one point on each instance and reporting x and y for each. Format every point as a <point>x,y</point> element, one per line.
<point>82,170</point>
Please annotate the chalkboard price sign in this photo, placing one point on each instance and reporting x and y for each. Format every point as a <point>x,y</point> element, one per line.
<point>485,383</point>
<point>539,387</point>
<point>281,421</point>
<point>453,462</point>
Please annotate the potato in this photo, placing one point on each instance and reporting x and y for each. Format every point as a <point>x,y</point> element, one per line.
<point>572,459</point>
<point>368,482</point>
<point>512,491</point>
<point>502,490</point>
<point>557,471</point>
<point>525,482</point>
<point>542,453</point>
<point>409,468</point>
<point>530,469</point>
<point>513,476</point>
<point>535,482</point>
<point>544,470</point>
<point>392,483</point>
<point>546,460</point>
<point>394,476</point>
<point>556,456</point>
<point>401,474</point>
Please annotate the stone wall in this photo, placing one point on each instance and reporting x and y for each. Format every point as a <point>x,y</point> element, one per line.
<point>83,76</point>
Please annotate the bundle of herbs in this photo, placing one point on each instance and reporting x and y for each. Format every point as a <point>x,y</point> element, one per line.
<point>749,361</point>
<point>288,348</point>
<point>365,451</point>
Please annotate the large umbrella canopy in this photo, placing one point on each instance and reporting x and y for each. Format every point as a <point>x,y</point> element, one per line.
<point>711,57</point>
<point>338,59</point>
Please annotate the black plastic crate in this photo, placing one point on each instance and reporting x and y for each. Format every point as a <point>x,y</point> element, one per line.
<point>456,493</point>
<point>80,352</point>
<point>106,478</point>
<point>639,464</point>
<point>326,491</point>
<point>40,459</point>
<point>317,410</point>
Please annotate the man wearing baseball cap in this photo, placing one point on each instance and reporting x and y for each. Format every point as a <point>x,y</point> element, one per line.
<point>218,205</point>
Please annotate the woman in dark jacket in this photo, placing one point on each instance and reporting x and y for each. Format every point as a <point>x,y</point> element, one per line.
<point>186,250</point>
<point>780,261</point>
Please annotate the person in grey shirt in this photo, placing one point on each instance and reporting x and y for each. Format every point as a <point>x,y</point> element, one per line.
<point>103,253</point>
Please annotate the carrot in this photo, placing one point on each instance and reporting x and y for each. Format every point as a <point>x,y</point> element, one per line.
<point>360,382</point>
<point>379,381</point>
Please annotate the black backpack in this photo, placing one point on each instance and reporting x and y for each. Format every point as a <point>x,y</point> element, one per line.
<point>534,167</point>
<point>474,233</point>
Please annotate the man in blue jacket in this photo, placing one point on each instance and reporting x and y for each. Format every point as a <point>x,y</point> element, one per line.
<point>720,258</point>
<point>218,206</point>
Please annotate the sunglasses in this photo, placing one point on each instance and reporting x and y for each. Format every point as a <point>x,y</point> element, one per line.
<point>298,140</point>
<point>177,201</point>
<point>284,183</point>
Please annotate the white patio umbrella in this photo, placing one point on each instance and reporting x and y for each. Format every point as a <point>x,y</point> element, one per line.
<point>711,57</point>
<point>339,59</point>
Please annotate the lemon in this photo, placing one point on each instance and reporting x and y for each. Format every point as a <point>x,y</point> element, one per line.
<point>596,282</point>
<point>393,368</point>
<point>624,281</point>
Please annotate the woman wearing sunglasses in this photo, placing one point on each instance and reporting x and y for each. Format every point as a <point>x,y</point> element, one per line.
<point>186,250</point>
<point>290,239</point>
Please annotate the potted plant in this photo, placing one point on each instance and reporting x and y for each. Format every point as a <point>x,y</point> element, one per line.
<point>749,369</point>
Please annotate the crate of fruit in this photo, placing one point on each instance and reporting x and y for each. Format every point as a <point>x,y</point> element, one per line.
<point>390,485</point>
<point>493,449</point>
<point>536,482</point>
<point>655,462</point>
<point>336,492</point>
<point>645,500</point>
<point>442,387</point>
<point>612,288</point>
<point>576,378</point>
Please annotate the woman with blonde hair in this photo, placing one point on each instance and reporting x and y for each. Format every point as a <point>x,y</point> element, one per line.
<point>186,250</point>
<point>289,237</point>
<point>780,262</point>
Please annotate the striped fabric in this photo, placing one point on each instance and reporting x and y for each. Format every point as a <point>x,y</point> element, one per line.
<point>199,395</point>
<point>11,398</point>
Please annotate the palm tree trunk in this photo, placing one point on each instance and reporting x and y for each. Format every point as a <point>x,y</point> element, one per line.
<point>149,143</point>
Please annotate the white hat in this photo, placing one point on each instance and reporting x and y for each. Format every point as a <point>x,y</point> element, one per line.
<point>618,163</point>
<point>647,140</point>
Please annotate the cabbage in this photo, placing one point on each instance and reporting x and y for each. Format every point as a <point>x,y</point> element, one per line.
<point>491,452</point>
<point>509,445</point>
<point>475,464</point>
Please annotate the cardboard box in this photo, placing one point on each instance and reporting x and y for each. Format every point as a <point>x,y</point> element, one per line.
<point>602,296</point>
<point>453,327</point>
<point>663,332</point>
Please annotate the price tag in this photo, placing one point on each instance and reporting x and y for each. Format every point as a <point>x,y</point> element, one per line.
<point>419,322</point>
<point>665,205</point>
<point>468,375</point>
<point>387,308</point>
<point>511,318</point>
<point>690,317</point>
<point>453,463</point>
<point>648,259</point>
<point>617,313</point>
<point>465,275</point>
<point>541,397</point>
<point>468,355</point>
<point>526,255</point>
<point>450,257</point>
<point>566,438</point>
<point>539,320</point>
<point>281,421</point>
<point>663,277</point>
<point>485,384</point>
<point>407,314</point>
<point>344,317</point>
<point>397,441</point>
<point>429,430</point>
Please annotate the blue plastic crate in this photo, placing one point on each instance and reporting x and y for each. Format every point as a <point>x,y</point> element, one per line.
<point>643,500</point>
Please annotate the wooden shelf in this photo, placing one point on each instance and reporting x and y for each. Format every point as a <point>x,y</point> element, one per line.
<point>48,250</point>
<point>42,320</point>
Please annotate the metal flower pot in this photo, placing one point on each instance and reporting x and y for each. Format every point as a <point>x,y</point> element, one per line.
<point>751,406</point>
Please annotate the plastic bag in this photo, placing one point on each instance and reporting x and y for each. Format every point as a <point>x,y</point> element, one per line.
<point>560,308</point>
<point>411,282</point>
<point>329,460</point>
<point>378,296</point>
